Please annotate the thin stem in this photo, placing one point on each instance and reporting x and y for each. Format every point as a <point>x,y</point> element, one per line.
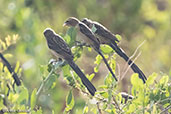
<point>58,64</point>
<point>43,83</point>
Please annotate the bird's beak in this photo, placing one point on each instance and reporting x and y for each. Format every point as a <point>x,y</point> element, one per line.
<point>65,24</point>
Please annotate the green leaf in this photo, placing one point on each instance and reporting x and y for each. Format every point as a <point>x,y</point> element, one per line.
<point>67,38</point>
<point>51,81</point>
<point>66,71</point>
<point>93,29</point>
<point>132,108</point>
<point>43,68</point>
<point>104,94</point>
<point>98,59</point>
<point>85,110</point>
<point>164,80</point>
<point>8,55</point>
<point>106,49</point>
<point>53,112</point>
<point>108,80</point>
<point>103,86</point>
<point>119,37</point>
<point>69,101</point>
<point>96,69</point>
<point>71,32</point>
<point>33,98</point>
<point>17,66</point>
<point>151,79</point>
<point>90,77</point>
<point>89,49</point>
<point>24,95</point>
<point>136,81</point>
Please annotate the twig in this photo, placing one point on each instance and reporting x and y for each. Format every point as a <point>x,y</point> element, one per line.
<point>11,70</point>
<point>129,66</point>
<point>81,44</point>
<point>116,103</point>
<point>167,108</point>
<point>98,107</point>
<point>126,64</point>
<point>119,72</point>
<point>137,49</point>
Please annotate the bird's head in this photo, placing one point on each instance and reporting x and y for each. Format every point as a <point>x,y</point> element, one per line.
<point>88,22</point>
<point>48,33</point>
<point>71,22</point>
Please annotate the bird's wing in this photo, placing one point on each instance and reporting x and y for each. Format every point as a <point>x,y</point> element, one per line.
<point>104,32</point>
<point>58,45</point>
<point>87,32</point>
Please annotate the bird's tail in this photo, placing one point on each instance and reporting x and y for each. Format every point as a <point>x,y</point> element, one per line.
<point>84,80</point>
<point>104,59</point>
<point>126,58</point>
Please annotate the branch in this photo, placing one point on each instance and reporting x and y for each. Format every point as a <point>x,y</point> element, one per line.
<point>58,64</point>
<point>133,60</point>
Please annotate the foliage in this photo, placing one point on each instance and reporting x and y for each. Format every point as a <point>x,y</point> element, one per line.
<point>135,21</point>
<point>152,97</point>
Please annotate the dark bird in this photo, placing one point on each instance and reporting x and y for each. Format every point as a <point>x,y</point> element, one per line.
<point>60,49</point>
<point>107,37</point>
<point>85,34</point>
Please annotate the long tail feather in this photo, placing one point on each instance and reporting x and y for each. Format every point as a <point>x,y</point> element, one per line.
<point>100,53</point>
<point>85,81</point>
<point>126,58</point>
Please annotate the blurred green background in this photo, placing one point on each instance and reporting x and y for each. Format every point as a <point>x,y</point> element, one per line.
<point>135,20</point>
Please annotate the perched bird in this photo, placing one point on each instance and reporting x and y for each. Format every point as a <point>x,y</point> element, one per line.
<point>85,34</point>
<point>107,37</point>
<point>60,49</point>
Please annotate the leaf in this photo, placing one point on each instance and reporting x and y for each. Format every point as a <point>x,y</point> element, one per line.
<point>8,55</point>
<point>136,81</point>
<point>50,82</point>
<point>33,98</point>
<point>151,79</point>
<point>106,49</point>
<point>66,71</point>
<point>104,94</point>
<point>108,80</point>
<point>119,37</point>
<point>69,101</point>
<point>17,67</point>
<point>24,95</point>
<point>13,97</point>
<point>132,108</point>
<point>93,29</point>
<point>85,110</point>
<point>90,77</point>
<point>164,80</point>
<point>98,59</point>
<point>71,32</point>
<point>96,69</point>
<point>89,49</point>
<point>67,38</point>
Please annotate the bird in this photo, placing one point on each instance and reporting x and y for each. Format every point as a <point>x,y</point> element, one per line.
<point>84,34</point>
<point>59,48</point>
<point>107,37</point>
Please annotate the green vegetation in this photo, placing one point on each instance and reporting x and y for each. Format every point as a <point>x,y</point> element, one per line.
<point>50,86</point>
